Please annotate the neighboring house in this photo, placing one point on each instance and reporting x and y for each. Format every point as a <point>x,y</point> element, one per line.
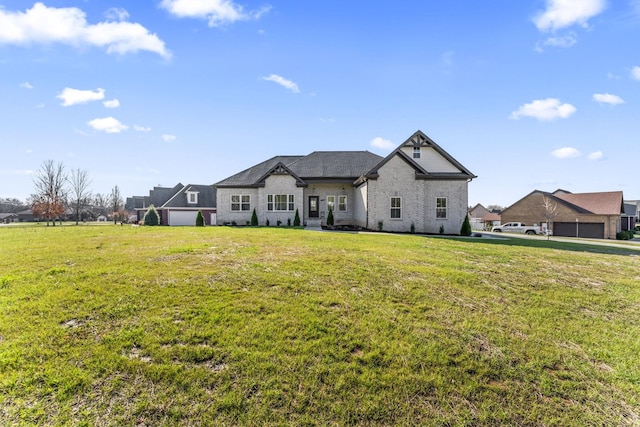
<point>490,220</point>
<point>177,205</point>
<point>590,215</point>
<point>476,214</point>
<point>628,220</point>
<point>419,187</point>
<point>26,216</point>
<point>6,218</point>
<point>636,207</point>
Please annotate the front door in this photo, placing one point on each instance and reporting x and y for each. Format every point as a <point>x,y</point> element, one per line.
<point>314,202</point>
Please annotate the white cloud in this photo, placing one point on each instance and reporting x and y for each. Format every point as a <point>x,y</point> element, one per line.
<point>68,25</point>
<point>72,96</point>
<point>139,128</point>
<point>168,138</point>
<point>382,144</point>
<point>596,155</point>
<point>282,82</point>
<point>635,73</point>
<point>117,14</point>
<point>108,125</point>
<point>544,109</point>
<point>563,41</point>
<point>565,153</point>
<point>565,13</point>
<point>112,103</point>
<point>606,98</point>
<point>26,85</point>
<point>217,12</point>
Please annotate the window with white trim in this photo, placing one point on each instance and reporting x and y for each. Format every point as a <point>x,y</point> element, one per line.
<point>342,203</point>
<point>416,152</point>
<point>441,207</point>
<point>240,202</point>
<point>280,202</point>
<point>331,202</point>
<point>396,208</point>
<point>192,197</point>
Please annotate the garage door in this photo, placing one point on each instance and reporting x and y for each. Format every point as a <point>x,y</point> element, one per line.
<point>182,217</point>
<point>588,230</point>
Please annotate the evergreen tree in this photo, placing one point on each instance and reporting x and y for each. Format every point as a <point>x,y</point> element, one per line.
<point>296,219</point>
<point>254,218</point>
<point>151,216</point>
<point>199,219</point>
<point>330,216</point>
<point>466,227</point>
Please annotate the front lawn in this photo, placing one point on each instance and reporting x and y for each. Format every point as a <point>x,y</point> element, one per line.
<point>266,326</point>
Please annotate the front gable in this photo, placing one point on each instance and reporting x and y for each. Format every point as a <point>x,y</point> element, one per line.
<point>426,158</point>
<point>278,170</point>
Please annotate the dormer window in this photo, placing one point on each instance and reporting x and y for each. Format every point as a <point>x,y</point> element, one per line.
<point>416,152</point>
<point>192,197</point>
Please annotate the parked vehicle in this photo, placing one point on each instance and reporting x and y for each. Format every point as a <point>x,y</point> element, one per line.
<point>519,227</point>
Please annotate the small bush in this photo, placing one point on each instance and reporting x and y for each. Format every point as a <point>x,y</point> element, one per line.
<point>278,222</point>
<point>254,218</point>
<point>380,225</point>
<point>466,227</point>
<point>151,217</point>
<point>413,228</point>
<point>441,229</point>
<point>267,223</point>
<point>288,222</point>
<point>296,219</point>
<point>624,235</point>
<point>199,219</point>
<point>330,216</point>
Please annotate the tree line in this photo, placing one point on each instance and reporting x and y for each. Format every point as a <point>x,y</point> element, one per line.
<point>60,194</point>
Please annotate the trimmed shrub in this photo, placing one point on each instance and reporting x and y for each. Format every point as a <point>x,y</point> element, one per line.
<point>412,228</point>
<point>296,219</point>
<point>441,228</point>
<point>254,218</point>
<point>330,216</point>
<point>267,223</point>
<point>624,235</point>
<point>466,227</point>
<point>199,219</point>
<point>151,217</point>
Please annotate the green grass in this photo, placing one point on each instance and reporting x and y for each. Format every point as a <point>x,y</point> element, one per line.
<point>264,326</point>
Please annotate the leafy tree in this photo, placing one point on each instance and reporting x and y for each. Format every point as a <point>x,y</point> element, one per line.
<point>49,199</point>
<point>296,219</point>
<point>254,218</point>
<point>80,194</point>
<point>330,216</point>
<point>151,216</point>
<point>199,219</point>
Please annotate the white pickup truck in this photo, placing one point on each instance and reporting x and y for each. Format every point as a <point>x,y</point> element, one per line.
<point>518,227</point>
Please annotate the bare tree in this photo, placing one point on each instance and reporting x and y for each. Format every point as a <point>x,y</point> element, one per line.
<point>49,199</point>
<point>115,199</point>
<point>79,181</point>
<point>100,203</point>
<point>550,209</point>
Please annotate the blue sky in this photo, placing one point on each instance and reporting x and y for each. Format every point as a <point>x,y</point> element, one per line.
<point>528,94</point>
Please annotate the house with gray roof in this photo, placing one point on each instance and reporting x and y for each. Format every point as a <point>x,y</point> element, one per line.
<point>178,205</point>
<point>418,186</point>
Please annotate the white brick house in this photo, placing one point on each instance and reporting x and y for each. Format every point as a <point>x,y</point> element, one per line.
<point>418,186</point>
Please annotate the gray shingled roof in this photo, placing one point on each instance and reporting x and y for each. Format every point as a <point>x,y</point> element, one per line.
<point>334,164</point>
<point>206,197</point>
<point>319,164</point>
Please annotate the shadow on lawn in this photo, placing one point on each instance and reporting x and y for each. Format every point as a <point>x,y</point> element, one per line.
<point>606,247</point>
